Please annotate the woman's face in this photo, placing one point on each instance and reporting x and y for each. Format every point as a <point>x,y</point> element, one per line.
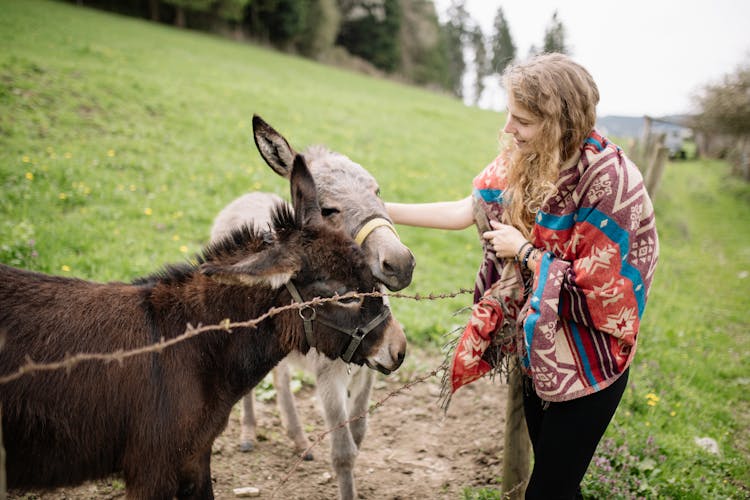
<point>521,124</point>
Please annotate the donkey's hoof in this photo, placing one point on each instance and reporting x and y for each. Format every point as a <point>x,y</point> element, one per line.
<point>247,446</point>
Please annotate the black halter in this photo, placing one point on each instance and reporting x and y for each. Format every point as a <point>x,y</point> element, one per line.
<point>357,334</point>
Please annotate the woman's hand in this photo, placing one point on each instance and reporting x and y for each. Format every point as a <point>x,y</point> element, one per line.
<point>505,240</point>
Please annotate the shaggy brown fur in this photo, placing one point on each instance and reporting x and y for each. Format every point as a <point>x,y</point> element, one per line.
<point>156,416</point>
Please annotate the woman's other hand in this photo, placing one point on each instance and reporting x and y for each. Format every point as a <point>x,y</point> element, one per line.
<point>505,240</point>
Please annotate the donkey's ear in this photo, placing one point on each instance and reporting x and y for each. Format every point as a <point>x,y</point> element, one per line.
<point>273,267</point>
<point>273,147</point>
<point>304,194</point>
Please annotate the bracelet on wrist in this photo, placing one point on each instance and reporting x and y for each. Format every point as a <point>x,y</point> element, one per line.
<point>520,250</point>
<point>525,260</point>
<point>534,257</point>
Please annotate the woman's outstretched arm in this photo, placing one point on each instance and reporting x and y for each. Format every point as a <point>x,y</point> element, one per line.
<point>439,215</point>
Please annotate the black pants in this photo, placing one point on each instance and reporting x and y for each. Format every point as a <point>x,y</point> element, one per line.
<point>564,437</point>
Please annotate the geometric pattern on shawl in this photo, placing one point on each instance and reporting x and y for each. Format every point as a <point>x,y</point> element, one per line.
<point>579,327</point>
<point>589,294</point>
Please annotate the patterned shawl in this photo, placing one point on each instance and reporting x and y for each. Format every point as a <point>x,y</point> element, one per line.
<point>576,332</point>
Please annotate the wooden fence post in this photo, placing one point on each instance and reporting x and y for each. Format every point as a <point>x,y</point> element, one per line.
<point>651,157</point>
<point>656,170</point>
<point>517,449</point>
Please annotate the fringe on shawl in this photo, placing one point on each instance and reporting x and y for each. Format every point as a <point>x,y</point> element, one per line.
<point>498,355</point>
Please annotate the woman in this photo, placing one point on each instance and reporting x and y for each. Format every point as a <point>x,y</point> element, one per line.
<point>570,251</point>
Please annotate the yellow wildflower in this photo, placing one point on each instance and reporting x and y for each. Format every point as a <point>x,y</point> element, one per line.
<point>176,237</point>
<point>148,211</point>
<point>62,196</point>
<point>29,176</point>
<point>66,269</point>
<point>183,249</point>
<point>111,153</point>
<point>26,159</point>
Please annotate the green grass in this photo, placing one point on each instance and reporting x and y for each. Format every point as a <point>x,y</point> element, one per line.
<point>692,372</point>
<point>120,140</point>
<point>118,116</point>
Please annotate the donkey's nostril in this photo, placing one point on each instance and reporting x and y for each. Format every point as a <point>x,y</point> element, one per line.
<point>388,268</point>
<point>400,358</point>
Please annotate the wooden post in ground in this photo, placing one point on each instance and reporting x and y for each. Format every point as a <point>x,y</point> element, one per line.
<point>517,449</point>
<point>651,155</point>
<point>642,146</point>
<point>656,171</point>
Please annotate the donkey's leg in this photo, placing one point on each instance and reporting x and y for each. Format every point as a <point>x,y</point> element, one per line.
<point>332,382</point>
<point>248,423</point>
<point>360,389</point>
<point>152,479</point>
<point>288,409</point>
<point>195,478</point>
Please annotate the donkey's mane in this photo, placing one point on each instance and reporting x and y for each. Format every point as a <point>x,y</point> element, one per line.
<point>239,239</point>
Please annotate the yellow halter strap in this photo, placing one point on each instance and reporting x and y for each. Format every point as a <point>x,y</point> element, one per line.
<point>371,225</point>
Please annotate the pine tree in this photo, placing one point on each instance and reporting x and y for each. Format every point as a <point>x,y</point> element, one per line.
<point>482,66</point>
<point>554,37</point>
<point>503,48</point>
<point>455,33</point>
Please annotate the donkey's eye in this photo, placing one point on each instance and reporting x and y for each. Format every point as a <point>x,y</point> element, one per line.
<point>377,192</point>
<point>349,300</point>
<point>329,211</point>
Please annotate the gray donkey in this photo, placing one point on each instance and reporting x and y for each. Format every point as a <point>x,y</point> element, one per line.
<point>349,199</point>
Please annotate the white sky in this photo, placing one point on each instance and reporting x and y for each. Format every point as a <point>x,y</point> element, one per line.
<point>646,56</point>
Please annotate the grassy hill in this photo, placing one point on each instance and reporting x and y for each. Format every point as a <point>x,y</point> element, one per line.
<point>120,140</point>
<point>137,135</point>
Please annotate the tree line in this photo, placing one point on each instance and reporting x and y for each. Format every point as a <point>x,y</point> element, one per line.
<point>722,124</point>
<point>400,38</point>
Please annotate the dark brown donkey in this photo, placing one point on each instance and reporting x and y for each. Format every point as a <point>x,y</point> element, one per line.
<point>156,416</point>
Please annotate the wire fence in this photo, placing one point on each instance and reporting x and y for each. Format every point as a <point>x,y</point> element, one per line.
<point>71,360</point>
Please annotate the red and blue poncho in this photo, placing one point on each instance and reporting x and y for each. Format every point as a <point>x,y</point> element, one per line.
<point>576,330</point>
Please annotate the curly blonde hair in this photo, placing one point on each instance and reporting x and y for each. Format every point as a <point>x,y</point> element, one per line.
<point>563,96</point>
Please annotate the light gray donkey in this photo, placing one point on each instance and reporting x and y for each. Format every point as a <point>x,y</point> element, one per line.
<point>349,198</point>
